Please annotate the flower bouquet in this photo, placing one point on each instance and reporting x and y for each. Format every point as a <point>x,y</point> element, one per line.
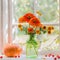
<point>34,28</point>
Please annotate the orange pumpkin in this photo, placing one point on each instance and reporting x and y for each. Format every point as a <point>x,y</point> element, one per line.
<point>12,50</point>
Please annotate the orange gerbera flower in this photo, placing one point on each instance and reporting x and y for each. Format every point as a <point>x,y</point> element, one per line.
<point>52,28</point>
<point>30,30</point>
<point>28,16</point>
<point>38,32</point>
<point>44,27</point>
<point>21,20</point>
<point>49,32</point>
<point>19,25</point>
<point>35,22</point>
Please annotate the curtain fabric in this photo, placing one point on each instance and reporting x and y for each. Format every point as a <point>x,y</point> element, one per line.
<point>5,22</point>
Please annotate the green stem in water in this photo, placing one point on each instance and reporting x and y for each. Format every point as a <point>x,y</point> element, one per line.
<point>32,38</point>
<point>35,50</point>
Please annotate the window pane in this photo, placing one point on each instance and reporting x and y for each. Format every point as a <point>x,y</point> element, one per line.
<point>22,7</point>
<point>49,9</point>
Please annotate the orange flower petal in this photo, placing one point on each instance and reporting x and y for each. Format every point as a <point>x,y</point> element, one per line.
<point>30,30</point>
<point>21,20</point>
<point>49,32</point>
<point>28,16</point>
<point>38,32</point>
<point>19,25</point>
<point>44,27</point>
<point>35,22</point>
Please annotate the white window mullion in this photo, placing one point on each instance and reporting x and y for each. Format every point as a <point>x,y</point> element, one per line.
<point>9,21</point>
<point>35,7</point>
<point>5,18</point>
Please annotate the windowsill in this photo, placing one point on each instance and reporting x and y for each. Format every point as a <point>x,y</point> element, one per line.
<point>23,57</point>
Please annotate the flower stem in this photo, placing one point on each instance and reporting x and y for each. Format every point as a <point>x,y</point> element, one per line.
<point>35,51</point>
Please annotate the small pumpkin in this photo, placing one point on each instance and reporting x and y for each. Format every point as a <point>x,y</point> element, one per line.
<point>12,50</point>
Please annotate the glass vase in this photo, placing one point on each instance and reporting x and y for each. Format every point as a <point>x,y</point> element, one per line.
<point>32,47</point>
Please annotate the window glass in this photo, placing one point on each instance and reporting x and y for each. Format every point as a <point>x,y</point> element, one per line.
<point>22,7</point>
<point>48,8</point>
<point>50,15</point>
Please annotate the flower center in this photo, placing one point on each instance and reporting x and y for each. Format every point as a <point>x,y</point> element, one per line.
<point>34,21</point>
<point>29,17</point>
